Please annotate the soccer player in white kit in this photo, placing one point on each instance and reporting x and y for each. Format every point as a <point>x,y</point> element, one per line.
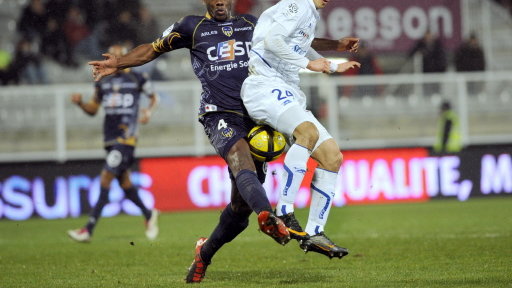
<point>281,47</point>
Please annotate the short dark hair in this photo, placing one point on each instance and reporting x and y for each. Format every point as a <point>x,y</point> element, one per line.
<point>446,105</point>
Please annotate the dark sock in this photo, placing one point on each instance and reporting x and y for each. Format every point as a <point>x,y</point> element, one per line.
<point>95,214</point>
<point>131,193</point>
<point>252,192</point>
<point>230,225</point>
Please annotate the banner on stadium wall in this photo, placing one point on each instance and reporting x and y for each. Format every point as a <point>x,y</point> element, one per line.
<point>392,25</point>
<point>51,190</point>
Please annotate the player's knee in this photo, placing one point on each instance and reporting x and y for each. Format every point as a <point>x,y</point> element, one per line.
<point>329,156</point>
<point>338,160</point>
<point>306,134</point>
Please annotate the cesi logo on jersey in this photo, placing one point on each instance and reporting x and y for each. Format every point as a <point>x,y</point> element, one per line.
<point>226,51</point>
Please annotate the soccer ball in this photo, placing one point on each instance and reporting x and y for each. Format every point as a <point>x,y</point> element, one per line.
<point>262,147</point>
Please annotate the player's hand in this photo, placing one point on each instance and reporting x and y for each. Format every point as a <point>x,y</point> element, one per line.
<point>342,67</point>
<point>319,65</point>
<point>105,67</point>
<point>76,98</point>
<point>145,115</point>
<point>350,44</point>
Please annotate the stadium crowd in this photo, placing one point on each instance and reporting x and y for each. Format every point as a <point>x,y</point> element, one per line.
<point>68,32</point>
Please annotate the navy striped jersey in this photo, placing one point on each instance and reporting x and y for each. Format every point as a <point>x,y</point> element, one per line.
<point>119,96</point>
<point>219,55</point>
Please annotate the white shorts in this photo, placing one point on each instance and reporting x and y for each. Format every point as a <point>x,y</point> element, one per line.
<point>273,102</point>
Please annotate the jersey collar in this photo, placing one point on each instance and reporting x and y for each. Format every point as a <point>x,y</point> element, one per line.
<point>208,16</point>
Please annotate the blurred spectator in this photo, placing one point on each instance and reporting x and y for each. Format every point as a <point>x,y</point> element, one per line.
<point>469,57</point>
<point>74,27</point>
<point>26,66</point>
<point>54,45</point>
<point>448,134</point>
<point>93,11</point>
<point>32,22</point>
<point>58,10</point>
<point>148,29</point>
<point>433,59</point>
<point>369,66</point>
<point>122,30</point>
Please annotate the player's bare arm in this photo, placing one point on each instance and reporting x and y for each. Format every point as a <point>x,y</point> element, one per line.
<point>91,107</point>
<point>140,55</point>
<point>147,112</point>
<point>349,44</point>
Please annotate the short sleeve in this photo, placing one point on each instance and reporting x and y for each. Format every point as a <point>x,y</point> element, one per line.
<point>177,36</point>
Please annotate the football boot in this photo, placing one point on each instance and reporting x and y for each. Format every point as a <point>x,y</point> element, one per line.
<point>274,227</point>
<point>320,243</point>
<point>197,269</point>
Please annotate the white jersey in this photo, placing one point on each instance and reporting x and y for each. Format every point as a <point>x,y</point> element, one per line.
<point>299,18</point>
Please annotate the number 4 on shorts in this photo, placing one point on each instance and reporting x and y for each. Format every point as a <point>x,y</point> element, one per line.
<point>222,124</point>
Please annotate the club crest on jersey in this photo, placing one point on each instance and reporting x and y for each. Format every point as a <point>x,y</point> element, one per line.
<point>227,30</point>
<point>293,8</point>
<point>228,132</point>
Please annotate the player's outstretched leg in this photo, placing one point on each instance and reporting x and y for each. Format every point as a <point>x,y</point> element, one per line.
<point>85,234</point>
<point>320,243</point>
<point>274,227</point>
<point>322,188</point>
<point>231,223</point>
<point>197,269</point>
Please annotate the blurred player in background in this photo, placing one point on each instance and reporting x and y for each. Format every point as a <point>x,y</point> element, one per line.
<point>281,47</point>
<point>120,95</point>
<point>219,44</point>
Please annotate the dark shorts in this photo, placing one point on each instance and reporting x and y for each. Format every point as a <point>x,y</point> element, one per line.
<point>224,129</point>
<point>119,158</point>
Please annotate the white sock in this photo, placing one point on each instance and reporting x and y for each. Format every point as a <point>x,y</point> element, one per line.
<point>322,190</point>
<point>295,165</point>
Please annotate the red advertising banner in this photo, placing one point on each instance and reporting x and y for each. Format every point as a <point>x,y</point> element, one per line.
<point>370,176</point>
<point>392,25</point>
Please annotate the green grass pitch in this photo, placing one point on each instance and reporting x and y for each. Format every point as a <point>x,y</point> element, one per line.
<point>441,243</point>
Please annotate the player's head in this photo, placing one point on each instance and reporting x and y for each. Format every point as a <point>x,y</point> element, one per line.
<point>445,106</point>
<point>220,10</point>
<point>117,50</point>
<point>319,4</point>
